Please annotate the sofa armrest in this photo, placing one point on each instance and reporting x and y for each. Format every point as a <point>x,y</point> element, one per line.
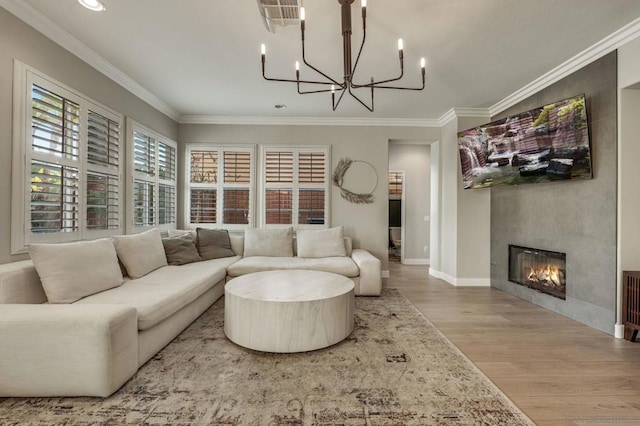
<point>370,272</point>
<point>66,350</point>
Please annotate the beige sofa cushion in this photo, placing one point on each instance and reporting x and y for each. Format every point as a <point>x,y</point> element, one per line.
<point>338,265</point>
<point>321,243</point>
<point>268,242</point>
<point>140,253</point>
<point>71,271</point>
<point>165,291</point>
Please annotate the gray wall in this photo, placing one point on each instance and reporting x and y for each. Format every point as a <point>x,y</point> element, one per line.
<point>20,41</point>
<point>367,224</point>
<point>415,161</point>
<point>577,217</point>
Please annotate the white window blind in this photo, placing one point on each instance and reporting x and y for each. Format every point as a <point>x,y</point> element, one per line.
<point>295,188</point>
<point>225,202</point>
<point>153,176</point>
<point>66,169</point>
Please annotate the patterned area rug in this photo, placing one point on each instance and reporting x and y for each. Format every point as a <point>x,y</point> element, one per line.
<point>396,368</point>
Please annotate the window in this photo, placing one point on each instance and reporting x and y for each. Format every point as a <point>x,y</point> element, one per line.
<point>67,166</point>
<point>395,183</point>
<point>153,173</point>
<point>220,185</point>
<point>295,188</point>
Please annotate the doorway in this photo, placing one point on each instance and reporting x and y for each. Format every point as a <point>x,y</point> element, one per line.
<point>396,182</point>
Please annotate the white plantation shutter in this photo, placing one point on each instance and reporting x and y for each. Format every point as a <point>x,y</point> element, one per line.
<point>103,173</point>
<point>153,172</point>
<point>54,198</point>
<point>66,169</point>
<point>215,202</point>
<point>295,190</point>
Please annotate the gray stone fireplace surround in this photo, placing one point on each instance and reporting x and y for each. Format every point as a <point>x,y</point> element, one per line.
<point>575,217</point>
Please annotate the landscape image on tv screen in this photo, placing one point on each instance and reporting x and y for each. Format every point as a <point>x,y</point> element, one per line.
<point>541,145</point>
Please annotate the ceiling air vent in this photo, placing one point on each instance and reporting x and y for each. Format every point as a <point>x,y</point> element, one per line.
<point>279,12</point>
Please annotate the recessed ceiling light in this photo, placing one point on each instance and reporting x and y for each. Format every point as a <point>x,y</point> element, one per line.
<point>94,5</point>
<point>279,106</point>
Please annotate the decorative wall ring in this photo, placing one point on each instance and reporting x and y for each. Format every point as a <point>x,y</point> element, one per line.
<point>353,197</point>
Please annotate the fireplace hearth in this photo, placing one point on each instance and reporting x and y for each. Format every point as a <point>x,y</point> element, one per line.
<point>542,270</point>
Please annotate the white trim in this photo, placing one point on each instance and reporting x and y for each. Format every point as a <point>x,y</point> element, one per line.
<point>606,45</point>
<point>19,188</point>
<point>463,112</point>
<point>54,32</point>
<point>384,274</point>
<point>415,261</point>
<point>466,282</point>
<point>308,121</point>
<point>435,273</point>
<point>618,332</point>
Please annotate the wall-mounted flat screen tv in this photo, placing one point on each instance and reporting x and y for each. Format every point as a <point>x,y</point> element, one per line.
<point>541,145</point>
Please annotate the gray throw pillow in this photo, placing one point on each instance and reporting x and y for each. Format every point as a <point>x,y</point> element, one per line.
<point>214,243</point>
<point>180,250</point>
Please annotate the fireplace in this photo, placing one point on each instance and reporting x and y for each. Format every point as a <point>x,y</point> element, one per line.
<point>541,270</point>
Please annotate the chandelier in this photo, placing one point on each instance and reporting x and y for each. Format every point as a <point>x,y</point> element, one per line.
<point>347,84</point>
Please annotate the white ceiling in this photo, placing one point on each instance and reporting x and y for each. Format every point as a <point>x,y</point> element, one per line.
<point>203,57</point>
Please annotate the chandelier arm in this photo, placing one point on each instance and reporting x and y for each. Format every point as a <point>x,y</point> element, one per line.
<point>335,104</point>
<point>353,95</point>
<point>304,58</point>
<point>375,83</point>
<point>402,88</point>
<point>364,37</point>
<point>285,80</point>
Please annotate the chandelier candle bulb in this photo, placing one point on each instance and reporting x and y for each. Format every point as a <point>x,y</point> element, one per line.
<point>302,14</point>
<point>297,66</point>
<point>400,44</point>
<point>263,49</point>
<point>364,3</point>
<point>423,63</point>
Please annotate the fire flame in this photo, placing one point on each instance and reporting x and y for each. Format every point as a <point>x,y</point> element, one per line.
<point>546,274</point>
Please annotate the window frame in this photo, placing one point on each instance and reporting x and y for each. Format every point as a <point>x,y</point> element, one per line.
<point>295,185</point>
<point>220,185</point>
<point>152,179</point>
<point>24,78</point>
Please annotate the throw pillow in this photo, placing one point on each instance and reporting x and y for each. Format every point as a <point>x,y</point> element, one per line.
<point>140,253</point>
<point>71,271</point>
<point>321,243</point>
<point>214,243</point>
<point>180,250</point>
<point>268,242</point>
<point>182,232</point>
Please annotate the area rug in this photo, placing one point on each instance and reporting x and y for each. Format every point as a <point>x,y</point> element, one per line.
<point>396,368</point>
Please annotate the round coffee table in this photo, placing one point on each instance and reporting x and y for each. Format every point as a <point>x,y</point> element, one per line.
<point>288,311</point>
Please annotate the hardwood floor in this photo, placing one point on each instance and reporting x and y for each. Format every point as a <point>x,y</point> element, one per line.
<point>558,371</point>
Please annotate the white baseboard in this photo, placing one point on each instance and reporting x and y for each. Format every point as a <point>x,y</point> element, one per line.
<point>435,274</point>
<point>467,282</point>
<point>416,262</point>
<point>385,274</point>
<point>619,331</point>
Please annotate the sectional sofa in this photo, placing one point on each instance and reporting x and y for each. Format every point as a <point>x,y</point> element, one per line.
<point>79,319</point>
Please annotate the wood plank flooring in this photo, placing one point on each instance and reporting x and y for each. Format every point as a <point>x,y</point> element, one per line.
<point>558,371</point>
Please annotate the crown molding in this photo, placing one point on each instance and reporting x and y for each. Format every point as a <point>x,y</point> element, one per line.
<point>463,112</point>
<point>608,44</point>
<point>308,121</point>
<point>49,29</point>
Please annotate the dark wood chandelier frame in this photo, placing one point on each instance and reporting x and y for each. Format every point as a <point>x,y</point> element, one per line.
<point>347,85</point>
